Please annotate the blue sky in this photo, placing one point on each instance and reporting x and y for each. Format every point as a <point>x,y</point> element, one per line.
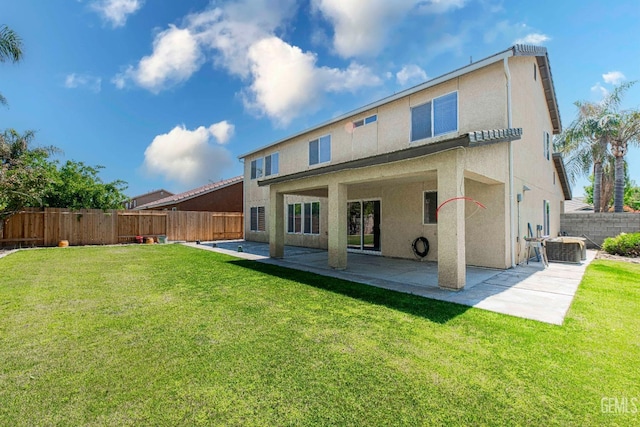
<point>167,94</point>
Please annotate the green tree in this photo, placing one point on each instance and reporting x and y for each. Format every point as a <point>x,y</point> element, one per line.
<point>78,186</point>
<point>25,171</point>
<point>631,190</point>
<point>10,49</point>
<point>585,142</point>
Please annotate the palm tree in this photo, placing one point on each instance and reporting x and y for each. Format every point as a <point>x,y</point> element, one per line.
<point>587,139</point>
<point>10,49</point>
<point>625,130</point>
<point>14,146</point>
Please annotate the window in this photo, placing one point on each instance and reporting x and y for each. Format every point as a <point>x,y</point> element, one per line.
<point>365,121</point>
<point>257,219</point>
<point>271,164</point>
<point>437,117</point>
<point>535,72</point>
<point>294,218</point>
<point>256,168</point>
<point>320,150</point>
<point>546,141</point>
<point>546,218</point>
<point>312,218</point>
<point>303,218</point>
<point>430,204</point>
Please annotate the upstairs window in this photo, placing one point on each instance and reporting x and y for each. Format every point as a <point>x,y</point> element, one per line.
<point>320,150</point>
<point>436,117</point>
<point>365,121</point>
<point>256,168</point>
<point>271,164</point>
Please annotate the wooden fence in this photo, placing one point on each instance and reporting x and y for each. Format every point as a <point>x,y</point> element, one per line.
<point>48,226</point>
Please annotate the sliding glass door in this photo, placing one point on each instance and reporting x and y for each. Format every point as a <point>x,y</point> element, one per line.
<point>363,225</point>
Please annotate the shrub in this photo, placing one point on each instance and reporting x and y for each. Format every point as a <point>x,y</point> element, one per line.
<point>623,244</point>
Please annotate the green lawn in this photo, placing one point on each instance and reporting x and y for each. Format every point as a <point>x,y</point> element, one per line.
<point>170,335</point>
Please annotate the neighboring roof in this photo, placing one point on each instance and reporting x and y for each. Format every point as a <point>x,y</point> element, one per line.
<point>187,195</point>
<point>472,139</point>
<point>518,50</point>
<point>577,205</point>
<point>151,192</point>
<point>562,175</point>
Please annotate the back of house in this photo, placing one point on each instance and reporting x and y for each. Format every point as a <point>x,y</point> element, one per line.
<point>463,160</point>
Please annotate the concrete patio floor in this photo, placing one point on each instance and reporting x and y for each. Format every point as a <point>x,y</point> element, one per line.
<point>527,291</point>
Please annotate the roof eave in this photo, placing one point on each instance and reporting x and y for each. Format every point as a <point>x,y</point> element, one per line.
<point>562,175</point>
<point>472,139</point>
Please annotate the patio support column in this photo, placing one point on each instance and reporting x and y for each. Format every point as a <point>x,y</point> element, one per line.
<point>276,223</point>
<point>451,225</point>
<point>337,226</point>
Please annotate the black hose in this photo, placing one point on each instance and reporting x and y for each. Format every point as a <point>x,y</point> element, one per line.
<point>425,247</point>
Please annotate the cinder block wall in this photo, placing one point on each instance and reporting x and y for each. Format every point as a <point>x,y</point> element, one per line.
<point>599,226</point>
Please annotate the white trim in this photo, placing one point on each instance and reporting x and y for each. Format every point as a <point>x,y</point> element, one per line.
<point>365,251</point>
<point>330,150</point>
<point>433,135</point>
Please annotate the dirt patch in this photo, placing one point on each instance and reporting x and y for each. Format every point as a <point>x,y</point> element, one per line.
<point>605,255</point>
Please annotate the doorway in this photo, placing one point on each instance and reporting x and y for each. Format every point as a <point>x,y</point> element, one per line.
<point>363,225</point>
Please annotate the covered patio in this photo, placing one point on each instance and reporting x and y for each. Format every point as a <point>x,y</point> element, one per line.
<point>527,291</point>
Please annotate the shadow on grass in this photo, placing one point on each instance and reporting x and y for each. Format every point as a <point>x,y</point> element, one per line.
<point>433,310</point>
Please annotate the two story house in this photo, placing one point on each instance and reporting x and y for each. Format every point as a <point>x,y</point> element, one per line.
<point>464,160</point>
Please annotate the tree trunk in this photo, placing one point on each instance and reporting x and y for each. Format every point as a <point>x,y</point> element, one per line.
<point>618,195</point>
<point>597,185</point>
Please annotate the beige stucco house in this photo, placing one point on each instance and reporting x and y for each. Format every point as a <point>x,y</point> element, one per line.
<point>464,160</point>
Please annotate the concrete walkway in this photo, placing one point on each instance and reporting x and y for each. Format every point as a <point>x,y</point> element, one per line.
<point>527,291</point>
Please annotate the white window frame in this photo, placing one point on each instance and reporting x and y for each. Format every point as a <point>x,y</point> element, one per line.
<point>546,142</point>
<point>294,223</point>
<point>264,220</point>
<point>433,134</point>
<point>259,172</point>
<point>304,217</point>
<point>546,218</point>
<point>365,121</point>
<point>424,195</point>
<point>270,156</point>
<point>319,150</point>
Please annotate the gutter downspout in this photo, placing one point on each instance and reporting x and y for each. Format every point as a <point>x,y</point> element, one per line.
<point>511,200</point>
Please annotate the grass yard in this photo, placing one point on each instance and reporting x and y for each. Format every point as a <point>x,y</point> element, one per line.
<point>170,335</point>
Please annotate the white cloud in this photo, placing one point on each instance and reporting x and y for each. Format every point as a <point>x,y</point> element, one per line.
<point>187,156</point>
<point>116,12</point>
<point>176,56</point>
<point>282,81</point>
<point>75,81</point>
<point>361,27</point>
<point>411,74</point>
<point>222,131</point>
<point>440,6</point>
<point>599,91</point>
<point>613,77</point>
<point>533,38</point>
<point>287,82</point>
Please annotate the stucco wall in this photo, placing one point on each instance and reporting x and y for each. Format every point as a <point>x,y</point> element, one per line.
<point>599,226</point>
<point>531,167</point>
